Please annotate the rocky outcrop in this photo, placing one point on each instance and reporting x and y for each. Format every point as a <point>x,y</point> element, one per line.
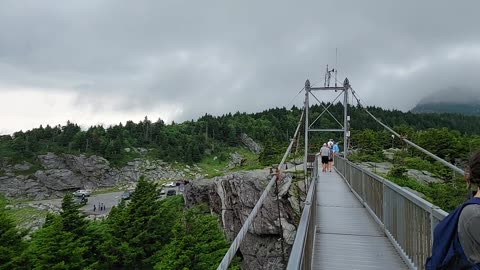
<point>63,173</point>
<point>423,177</point>
<point>233,197</point>
<point>380,167</point>
<point>235,160</point>
<point>250,143</point>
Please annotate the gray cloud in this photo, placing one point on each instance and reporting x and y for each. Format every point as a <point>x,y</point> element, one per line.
<point>220,56</point>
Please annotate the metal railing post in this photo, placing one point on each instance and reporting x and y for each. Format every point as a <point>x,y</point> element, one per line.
<point>364,195</point>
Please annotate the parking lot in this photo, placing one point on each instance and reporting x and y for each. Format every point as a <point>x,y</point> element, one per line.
<point>108,199</point>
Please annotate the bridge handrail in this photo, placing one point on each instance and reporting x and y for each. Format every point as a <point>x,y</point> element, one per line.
<point>407,219</point>
<point>243,231</point>
<point>301,254</point>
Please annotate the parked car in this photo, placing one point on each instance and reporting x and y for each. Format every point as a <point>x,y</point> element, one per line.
<point>81,192</point>
<point>171,192</point>
<point>81,200</point>
<point>126,195</point>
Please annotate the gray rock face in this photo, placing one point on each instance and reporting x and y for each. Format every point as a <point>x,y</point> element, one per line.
<point>233,197</point>
<point>22,167</point>
<point>383,167</point>
<point>64,173</point>
<point>423,176</point>
<point>250,143</point>
<point>235,160</point>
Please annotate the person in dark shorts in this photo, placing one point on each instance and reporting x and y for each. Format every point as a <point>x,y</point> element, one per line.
<point>324,153</point>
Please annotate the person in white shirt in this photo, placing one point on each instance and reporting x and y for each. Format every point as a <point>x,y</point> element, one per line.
<point>324,152</point>
<point>330,143</point>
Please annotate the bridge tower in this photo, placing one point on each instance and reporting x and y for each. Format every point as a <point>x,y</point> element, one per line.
<point>344,89</point>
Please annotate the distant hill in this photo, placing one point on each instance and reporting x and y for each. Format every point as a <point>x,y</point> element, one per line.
<point>445,107</point>
<point>465,102</point>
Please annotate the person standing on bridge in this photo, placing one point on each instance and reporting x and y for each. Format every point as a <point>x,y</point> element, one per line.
<point>330,143</point>
<point>324,153</point>
<point>330,158</point>
<point>335,148</point>
<point>456,243</point>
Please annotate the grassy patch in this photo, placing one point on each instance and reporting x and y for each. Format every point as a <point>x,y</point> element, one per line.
<point>251,160</point>
<point>212,166</point>
<point>216,164</point>
<point>26,215</point>
<point>106,190</point>
<point>364,157</point>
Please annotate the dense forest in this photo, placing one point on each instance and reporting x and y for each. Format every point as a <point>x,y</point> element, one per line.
<point>190,141</point>
<point>144,234</point>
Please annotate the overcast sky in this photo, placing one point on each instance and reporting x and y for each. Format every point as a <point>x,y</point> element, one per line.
<point>108,61</point>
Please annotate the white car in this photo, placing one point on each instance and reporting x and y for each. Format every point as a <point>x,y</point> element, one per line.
<point>81,192</point>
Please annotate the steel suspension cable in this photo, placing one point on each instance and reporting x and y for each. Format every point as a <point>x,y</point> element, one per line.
<point>444,162</point>
<point>243,231</point>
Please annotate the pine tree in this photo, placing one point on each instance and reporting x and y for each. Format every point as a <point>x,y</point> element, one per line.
<point>70,216</point>
<point>198,243</point>
<point>142,227</point>
<point>11,243</point>
<point>52,247</point>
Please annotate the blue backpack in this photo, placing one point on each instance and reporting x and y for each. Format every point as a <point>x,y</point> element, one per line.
<point>447,252</point>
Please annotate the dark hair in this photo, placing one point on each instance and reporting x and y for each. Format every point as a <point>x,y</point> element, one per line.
<point>474,166</point>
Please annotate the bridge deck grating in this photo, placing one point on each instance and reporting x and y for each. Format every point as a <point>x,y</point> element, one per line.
<point>347,237</point>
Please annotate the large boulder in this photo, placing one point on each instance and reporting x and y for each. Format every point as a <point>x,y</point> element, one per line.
<point>52,161</point>
<point>59,179</point>
<point>250,143</point>
<point>233,197</point>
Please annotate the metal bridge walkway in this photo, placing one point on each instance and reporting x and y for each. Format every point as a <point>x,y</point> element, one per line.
<point>347,237</point>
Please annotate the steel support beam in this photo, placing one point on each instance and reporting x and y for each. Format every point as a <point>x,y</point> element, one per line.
<point>329,88</point>
<point>307,105</point>
<point>326,130</point>
<point>346,86</point>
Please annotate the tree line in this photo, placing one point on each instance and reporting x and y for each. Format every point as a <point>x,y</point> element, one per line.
<point>190,141</point>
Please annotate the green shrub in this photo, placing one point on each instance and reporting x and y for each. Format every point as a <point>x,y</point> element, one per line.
<point>397,171</point>
<point>418,164</point>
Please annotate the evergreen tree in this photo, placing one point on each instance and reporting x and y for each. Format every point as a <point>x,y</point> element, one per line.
<point>70,216</point>
<point>52,247</point>
<point>142,227</point>
<point>198,243</point>
<point>11,243</point>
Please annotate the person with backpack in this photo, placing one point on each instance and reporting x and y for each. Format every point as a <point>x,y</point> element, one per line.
<point>456,239</point>
<point>330,159</point>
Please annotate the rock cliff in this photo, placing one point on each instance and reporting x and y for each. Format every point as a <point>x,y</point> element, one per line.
<point>233,197</point>
<point>64,172</point>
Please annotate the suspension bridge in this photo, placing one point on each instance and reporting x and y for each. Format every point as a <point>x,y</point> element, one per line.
<point>352,218</point>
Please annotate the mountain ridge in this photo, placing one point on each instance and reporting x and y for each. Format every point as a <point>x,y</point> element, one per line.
<point>457,101</point>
